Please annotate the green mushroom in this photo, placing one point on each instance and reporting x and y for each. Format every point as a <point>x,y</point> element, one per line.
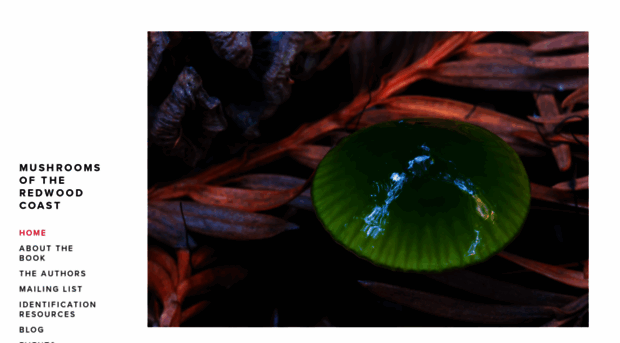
<point>422,195</point>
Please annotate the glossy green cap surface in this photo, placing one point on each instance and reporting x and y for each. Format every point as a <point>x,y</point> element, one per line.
<point>422,194</point>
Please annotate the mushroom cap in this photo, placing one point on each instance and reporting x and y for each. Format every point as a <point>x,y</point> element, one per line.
<point>422,194</point>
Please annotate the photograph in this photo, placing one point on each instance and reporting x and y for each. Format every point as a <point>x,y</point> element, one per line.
<point>367,179</point>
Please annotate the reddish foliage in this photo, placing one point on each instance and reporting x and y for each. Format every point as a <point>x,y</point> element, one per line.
<point>557,196</point>
<point>580,95</point>
<point>566,41</point>
<point>452,308</point>
<point>499,290</point>
<point>214,221</point>
<point>549,109</point>
<point>172,296</point>
<point>577,185</point>
<point>567,276</point>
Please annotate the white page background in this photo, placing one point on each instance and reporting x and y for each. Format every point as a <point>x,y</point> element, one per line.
<point>70,96</point>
